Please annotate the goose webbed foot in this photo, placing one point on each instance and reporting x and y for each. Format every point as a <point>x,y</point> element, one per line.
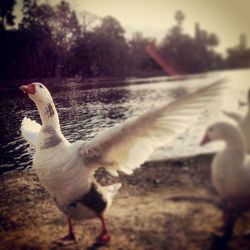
<point>103,239</point>
<point>69,239</point>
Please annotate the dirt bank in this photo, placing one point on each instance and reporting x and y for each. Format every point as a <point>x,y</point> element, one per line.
<point>143,215</point>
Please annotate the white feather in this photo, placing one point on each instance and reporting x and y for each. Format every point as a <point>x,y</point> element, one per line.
<point>125,147</point>
<point>30,131</point>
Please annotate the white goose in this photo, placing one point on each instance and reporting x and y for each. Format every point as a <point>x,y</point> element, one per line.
<point>66,169</point>
<point>243,122</point>
<point>230,176</point>
<point>231,166</point>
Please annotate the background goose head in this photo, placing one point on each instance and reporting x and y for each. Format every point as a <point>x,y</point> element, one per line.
<point>214,132</point>
<point>37,92</point>
<point>221,131</point>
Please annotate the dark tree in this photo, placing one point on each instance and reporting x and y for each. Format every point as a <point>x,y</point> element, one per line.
<point>29,52</point>
<point>89,20</point>
<point>101,52</point>
<point>55,29</point>
<point>64,26</point>
<point>6,13</point>
<point>179,17</point>
<point>190,54</point>
<point>65,30</point>
<point>140,61</point>
<point>26,54</point>
<point>238,56</point>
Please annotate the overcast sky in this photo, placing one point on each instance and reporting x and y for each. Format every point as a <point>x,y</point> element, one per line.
<point>227,18</point>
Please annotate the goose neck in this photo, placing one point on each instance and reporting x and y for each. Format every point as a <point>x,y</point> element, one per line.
<point>235,143</point>
<point>48,114</point>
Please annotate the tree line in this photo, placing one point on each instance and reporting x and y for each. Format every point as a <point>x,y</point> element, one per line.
<point>51,41</point>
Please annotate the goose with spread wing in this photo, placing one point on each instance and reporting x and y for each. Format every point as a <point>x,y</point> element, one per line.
<point>66,170</point>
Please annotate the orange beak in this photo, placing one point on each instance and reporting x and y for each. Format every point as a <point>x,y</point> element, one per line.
<point>28,89</point>
<point>205,140</point>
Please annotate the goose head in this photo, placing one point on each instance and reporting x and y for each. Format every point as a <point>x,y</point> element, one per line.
<point>40,95</point>
<point>37,92</point>
<point>220,131</point>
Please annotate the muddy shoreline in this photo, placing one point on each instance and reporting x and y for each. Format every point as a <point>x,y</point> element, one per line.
<point>143,215</point>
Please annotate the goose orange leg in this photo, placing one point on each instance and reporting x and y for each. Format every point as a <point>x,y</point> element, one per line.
<point>104,237</point>
<point>70,238</point>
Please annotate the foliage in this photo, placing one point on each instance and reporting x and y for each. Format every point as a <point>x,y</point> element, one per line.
<point>6,13</point>
<point>138,56</point>
<point>102,51</point>
<point>51,41</point>
<point>238,57</point>
<point>188,54</point>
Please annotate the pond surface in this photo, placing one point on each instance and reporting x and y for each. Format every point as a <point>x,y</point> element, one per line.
<point>85,112</point>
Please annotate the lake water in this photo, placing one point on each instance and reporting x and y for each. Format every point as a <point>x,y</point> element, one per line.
<point>85,112</point>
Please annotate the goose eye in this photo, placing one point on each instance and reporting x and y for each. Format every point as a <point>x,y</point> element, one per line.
<point>210,129</point>
<point>40,86</point>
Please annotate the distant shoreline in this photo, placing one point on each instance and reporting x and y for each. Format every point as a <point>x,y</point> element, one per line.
<point>103,81</point>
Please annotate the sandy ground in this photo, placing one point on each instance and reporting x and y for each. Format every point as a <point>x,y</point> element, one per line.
<point>143,215</point>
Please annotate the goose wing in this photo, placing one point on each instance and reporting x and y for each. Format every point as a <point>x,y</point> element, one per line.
<point>125,147</point>
<point>30,131</point>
